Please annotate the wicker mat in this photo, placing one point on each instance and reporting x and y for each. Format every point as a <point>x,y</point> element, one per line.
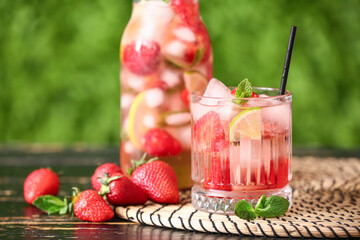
<point>326,204</point>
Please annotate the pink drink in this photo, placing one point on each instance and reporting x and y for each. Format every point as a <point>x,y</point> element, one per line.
<point>165,54</point>
<point>240,151</point>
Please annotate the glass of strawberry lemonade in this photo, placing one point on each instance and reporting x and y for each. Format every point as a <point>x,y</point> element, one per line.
<point>241,146</point>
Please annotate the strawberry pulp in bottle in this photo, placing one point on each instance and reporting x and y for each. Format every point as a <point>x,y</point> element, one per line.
<point>165,54</point>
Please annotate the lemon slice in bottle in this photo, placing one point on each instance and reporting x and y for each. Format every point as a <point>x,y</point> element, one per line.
<point>138,114</point>
<point>247,124</point>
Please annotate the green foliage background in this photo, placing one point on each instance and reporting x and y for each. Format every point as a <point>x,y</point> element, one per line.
<point>59,65</point>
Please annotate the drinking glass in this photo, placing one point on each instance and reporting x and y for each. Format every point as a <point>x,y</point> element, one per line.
<point>241,148</point>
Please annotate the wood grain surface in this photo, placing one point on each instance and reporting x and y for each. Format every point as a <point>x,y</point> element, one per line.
<point>19,220</point>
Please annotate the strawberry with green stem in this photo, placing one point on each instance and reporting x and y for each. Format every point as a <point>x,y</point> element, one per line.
<point>157,179</point>
<point>120,190</point>
<point>87,205</point>
<point>109,168</point>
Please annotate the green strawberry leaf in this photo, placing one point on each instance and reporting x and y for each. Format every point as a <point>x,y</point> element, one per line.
<point>244,210</point>
<point>138,163</point>
<point>244,89</point>
<point>49,204</point>
<point>274,206</point>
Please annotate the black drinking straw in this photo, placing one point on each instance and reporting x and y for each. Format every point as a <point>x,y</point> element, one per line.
<point>287,60</point>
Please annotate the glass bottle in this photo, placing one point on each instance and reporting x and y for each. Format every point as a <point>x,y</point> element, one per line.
<point>165,54</point>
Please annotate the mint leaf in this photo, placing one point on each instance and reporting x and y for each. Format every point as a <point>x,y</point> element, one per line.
<point>274,206</point>
<point>261,203</point>
<point>244,89</point>
<point>50,204</point>
<point>244,210</point>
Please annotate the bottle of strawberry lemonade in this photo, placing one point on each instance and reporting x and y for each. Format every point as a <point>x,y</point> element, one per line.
<point>165,54</point>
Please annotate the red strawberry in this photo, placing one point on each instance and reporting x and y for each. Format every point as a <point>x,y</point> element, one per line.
<point>120,190</point>
<point>184,96</point>
<point>109,168</point>
<point>142,57</point>
<point>40,182</point>
<point>90,206</point>
<point>188,10</point>
<point>209,133</point>
<point>159,143</point>
<point>158,180</point>
<point>204,42</point>
<point>233,92</point>
<point>218,176</point>
<point>254,95</point>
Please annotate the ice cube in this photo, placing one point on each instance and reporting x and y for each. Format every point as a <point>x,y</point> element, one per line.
<point>198,110</point>
<point>214,90</point>
<point>228,111</point>
<point>126,100</point>
<point>135,82</point>
<point>154,97</point>
<point>129,148</point>
<point>177,119</point>
<point>171,78</point>
<point>278,114</point>
<point>175,49</point>
<point>185,34</point>
<point>182,134</point>
<point>155,17</point>
<point>258,102</point>
<point>149,121</point>
<point>217,89</point>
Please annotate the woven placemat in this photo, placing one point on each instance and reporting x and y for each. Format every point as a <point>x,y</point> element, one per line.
<point>326,204</point>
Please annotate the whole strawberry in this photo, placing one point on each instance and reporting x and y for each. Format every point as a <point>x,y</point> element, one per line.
<point>142,57</point>
<point>90,206</point>
<point>40,182</point>
<point>158,180</point>
<point>159,143</point>
<point>109,168</point>
<point>120,190</point>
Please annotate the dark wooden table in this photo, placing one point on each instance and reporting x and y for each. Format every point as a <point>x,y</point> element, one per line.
<point>19,220</point>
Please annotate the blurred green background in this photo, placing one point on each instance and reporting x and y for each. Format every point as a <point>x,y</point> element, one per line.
<point>59,65</point>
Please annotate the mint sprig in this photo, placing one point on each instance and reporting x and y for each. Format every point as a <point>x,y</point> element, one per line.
<point>274,206</point>
<point>244,89</point>
<point>52,204</point>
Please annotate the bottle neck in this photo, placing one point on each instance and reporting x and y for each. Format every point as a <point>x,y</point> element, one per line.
<point>187,10</point>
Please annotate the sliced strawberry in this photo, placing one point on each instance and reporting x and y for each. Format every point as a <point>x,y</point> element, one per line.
<point>188,10</point>
<point>184,96</point>
<point>254,95</point>
<point>233,92</point>
<point>209,133</point>
<point>159,143</point>
<point>217,175</point>
<point>142,57</point>
<point>204,41</point>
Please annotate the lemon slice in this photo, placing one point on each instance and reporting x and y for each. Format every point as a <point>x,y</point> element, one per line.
<point>139,111</point>
<point>194,81</point>
<point>247,124</point>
